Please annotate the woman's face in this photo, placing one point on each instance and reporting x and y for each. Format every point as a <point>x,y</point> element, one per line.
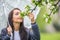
<point>16,16</point>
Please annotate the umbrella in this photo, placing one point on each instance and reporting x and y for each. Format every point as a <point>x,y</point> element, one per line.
<point>7,5</point>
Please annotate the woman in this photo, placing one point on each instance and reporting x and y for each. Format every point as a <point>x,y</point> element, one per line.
<point>16,29</point>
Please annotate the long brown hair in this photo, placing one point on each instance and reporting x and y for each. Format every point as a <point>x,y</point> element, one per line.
<point>22,31</point>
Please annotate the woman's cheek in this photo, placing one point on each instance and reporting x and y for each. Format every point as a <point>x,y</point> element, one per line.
<point>14,19</point>
<point>17,19</point>
<point>21,20</point>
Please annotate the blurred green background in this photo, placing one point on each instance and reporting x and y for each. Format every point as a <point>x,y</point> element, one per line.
<point>45,35</point>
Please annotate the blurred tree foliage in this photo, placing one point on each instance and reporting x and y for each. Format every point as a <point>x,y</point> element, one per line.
<point>47,8</point>
<point>51,7</point>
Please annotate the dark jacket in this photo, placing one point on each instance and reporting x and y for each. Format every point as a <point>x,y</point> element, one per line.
<point>32,34</point>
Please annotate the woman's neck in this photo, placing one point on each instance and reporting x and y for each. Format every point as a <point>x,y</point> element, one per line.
<point>16,26</point>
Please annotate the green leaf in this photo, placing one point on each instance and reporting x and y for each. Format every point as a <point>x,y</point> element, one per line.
<point>26,12</point>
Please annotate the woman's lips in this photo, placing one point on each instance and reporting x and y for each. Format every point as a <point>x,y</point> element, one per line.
<point>19,18</point>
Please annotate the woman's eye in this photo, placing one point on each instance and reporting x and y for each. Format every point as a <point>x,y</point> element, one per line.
<point>17,14</point>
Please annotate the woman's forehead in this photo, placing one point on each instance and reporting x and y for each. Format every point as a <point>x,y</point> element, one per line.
<point>16,10</point>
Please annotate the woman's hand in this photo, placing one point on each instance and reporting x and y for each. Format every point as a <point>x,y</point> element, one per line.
<point>9,29</point>
<point>31,16</point>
